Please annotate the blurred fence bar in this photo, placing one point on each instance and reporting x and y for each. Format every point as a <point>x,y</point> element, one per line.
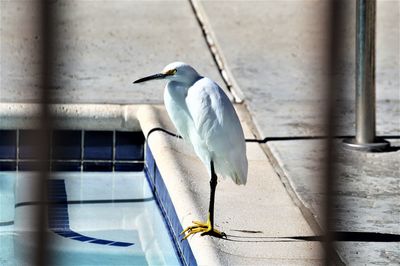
<point>333,83</point>
<point>365,139</point>
<point>41,255</point>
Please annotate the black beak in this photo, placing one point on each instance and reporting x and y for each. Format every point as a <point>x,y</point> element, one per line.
<point>155,76</point>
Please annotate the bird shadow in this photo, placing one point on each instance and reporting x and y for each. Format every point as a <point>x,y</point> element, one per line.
<point>252,236</point>
<point>343,236</point>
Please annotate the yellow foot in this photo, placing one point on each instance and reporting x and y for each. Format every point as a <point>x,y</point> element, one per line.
<point>204,228</point>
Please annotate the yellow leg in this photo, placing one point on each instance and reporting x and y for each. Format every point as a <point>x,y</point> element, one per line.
<point>203,228</point>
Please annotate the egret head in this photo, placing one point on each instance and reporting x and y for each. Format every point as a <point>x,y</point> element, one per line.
<point>176,71</point>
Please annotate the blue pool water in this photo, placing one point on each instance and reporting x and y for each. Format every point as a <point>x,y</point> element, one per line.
<point>107,218</point>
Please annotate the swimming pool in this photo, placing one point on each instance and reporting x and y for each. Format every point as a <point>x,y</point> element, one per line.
<point>101,207</point>
<point>94,218</point>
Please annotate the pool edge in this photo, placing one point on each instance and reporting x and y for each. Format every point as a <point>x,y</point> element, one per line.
<point>171,174</point>
<point>163,199</point>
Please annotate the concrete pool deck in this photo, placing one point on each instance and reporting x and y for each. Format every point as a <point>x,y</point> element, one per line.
<point>281,74</point>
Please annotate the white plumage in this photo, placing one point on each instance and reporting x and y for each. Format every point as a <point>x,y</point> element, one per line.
<point>204,116</point>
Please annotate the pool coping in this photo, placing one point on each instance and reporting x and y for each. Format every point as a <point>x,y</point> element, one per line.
<point>163,199</point>
<point>72,116</point>
<point>167,182</point>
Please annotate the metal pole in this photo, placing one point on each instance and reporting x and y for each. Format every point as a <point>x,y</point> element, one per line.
<point>365,139</point>
<point>365,71</point>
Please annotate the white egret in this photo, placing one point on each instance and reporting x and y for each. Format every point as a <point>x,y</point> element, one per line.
<point>204,116</point>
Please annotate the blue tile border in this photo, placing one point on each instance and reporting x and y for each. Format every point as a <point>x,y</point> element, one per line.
<point>98,145</point>
<point>29,166</point>
<point>128,167</point>
<point>67,144</point>
<point>129,146</point>
<point>27,141</point>
<point>8,144</point>
<point>66,166</point>
<point>73,150</point>
<point>8,166</point>
<point>164,202</point>
<point>97,166</point>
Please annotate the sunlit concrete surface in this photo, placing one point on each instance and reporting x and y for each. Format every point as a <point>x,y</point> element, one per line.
<point>367,196</point>
<point>276,52</point>
<point>104,47</point>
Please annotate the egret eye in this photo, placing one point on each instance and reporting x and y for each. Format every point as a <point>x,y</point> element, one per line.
<point>171,72</point>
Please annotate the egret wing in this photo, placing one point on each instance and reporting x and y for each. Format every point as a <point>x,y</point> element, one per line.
<point>219,135</point>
